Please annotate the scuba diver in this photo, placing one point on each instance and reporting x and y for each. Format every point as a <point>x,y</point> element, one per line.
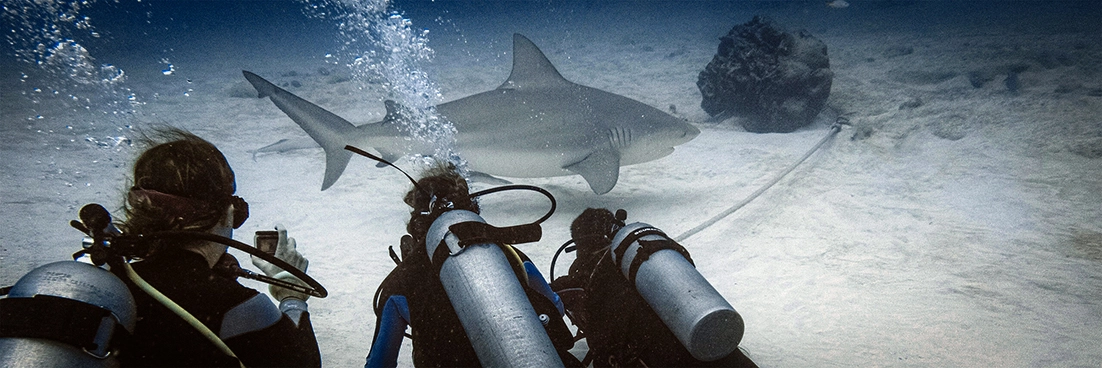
<point>633,292</point>
<point>479,304</point>
<point>636,297</point>
<point>160,289</point>
<point>184,183</point>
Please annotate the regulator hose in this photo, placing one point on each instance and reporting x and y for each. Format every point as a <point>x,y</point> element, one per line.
<point>178,310</point>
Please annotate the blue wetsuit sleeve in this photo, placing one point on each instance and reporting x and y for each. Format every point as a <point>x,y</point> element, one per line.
<point>539,284</point>
<point>391,331</point>
<point>293,309</point>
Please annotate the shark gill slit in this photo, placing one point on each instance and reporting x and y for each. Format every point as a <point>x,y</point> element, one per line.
<point>619,137</point>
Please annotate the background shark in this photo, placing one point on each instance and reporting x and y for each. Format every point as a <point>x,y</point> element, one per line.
<point>536,124</point>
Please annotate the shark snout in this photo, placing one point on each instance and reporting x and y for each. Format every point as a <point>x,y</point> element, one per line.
<point>688,133</point>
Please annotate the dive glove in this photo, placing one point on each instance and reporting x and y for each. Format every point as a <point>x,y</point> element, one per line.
<point>287,252</point>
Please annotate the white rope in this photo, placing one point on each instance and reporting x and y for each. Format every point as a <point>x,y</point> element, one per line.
<point>834,129</point>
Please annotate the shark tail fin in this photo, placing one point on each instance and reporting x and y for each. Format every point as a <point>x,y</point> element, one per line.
<point>329,130</point>
<point>264,88</point>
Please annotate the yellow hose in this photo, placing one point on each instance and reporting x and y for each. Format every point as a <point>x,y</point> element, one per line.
<point>175,308</point>
<point>516,262</point>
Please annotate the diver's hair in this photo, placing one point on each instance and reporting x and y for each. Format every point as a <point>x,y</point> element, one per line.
<point>186,168</point>
<point>592,232</point>
<point>441,188</point>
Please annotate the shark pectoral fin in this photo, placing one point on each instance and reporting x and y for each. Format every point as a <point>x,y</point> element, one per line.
<point>387,155</point>
<point>268,148</point>
<point>335,162</point>
<point>389,158</point>
<point>482,177</point>
<point>600,169</point>
<point>286,145</point>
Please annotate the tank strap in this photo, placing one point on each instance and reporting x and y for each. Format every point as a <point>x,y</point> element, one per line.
<point>470,233</point>
<point>631,238</point>
<point>649,247</point>
<point>72,322</point>
<point>516,261</point>
<point>646,248</point>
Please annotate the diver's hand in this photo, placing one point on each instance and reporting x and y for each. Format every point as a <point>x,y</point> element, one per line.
<point>280,293</point>
<point>285,251</point>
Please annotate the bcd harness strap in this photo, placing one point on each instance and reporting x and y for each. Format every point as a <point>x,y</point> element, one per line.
<point>477,233</point>
<point>68,321</point>
<point>472,233</point>
<point>647,248</point>
<point>515,262</point>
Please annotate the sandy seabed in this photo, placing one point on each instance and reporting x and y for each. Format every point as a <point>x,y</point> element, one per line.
<point>949,225</point>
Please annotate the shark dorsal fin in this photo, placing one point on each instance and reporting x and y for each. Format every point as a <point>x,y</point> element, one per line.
<point>530,66</point>
<point>395,112</point>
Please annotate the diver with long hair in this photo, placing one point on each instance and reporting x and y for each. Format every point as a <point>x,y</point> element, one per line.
<point>184,183</point>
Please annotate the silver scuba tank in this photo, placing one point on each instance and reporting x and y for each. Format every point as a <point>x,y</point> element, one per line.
<point>705,324</point>
<point>489,300</point>
<point>64,314</point>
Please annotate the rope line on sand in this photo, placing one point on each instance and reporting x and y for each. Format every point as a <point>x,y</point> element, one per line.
<point>834,129</point>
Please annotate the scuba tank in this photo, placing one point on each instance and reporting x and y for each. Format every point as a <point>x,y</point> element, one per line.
<point>482,287</point>
<point>65,314</point>
<point>659,268</point>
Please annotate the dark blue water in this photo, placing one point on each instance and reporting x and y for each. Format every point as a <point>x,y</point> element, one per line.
<point>139,36</point>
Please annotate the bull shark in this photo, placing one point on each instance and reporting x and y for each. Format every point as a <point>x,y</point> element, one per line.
<point>536,124</point>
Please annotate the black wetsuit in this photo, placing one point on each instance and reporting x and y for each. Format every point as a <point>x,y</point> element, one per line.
<point>254,329</point>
